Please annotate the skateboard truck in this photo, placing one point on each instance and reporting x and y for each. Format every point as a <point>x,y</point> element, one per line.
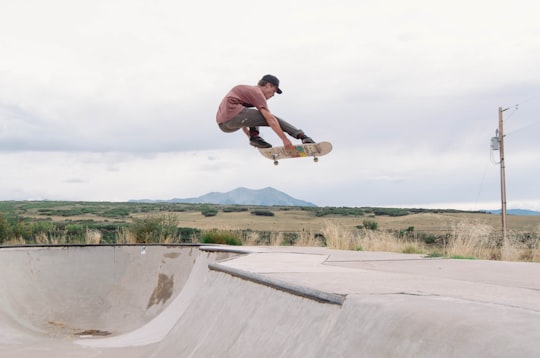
<point>275,156</point>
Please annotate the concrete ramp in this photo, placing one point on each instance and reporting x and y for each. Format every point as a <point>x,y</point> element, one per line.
<point>214,301</point>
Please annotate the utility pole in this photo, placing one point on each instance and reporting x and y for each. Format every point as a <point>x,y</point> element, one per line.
<point>503,176</point>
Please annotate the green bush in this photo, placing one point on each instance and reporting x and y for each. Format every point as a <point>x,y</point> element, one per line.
<point>234,209</point>
<point>209,212</point>
<point>262,213</point>
<point>75,229</point>
<point>390,212</point>
<point>107,230</point>
<point>76,211</point>
<point>116,213</point>
<point>5,230</point>
<point>407,232</point>
<point>22,229</point>
<point>370,225</point>
<point>154,229</point>
<point>428,238</point>
<point>221,237</point>
<point>343,211</point>
<point>187,234</point>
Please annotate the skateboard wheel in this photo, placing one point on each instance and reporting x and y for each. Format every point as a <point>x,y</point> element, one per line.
<point>315,159</point>
<point>276,162</point>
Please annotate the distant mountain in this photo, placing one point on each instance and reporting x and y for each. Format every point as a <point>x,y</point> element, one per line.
<point>241,196</point>
<point>522,212</point>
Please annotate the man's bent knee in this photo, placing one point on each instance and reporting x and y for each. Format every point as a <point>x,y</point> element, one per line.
<point>224,128</point>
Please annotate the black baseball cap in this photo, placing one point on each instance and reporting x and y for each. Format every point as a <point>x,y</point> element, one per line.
<point>273,80</point>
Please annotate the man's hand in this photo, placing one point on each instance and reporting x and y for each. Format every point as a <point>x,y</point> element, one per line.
<point>288,145</point>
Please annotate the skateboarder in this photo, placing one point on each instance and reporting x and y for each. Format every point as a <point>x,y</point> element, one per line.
<point>236,112</point>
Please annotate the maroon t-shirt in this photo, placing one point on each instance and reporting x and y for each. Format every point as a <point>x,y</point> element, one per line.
<point>239,97</point>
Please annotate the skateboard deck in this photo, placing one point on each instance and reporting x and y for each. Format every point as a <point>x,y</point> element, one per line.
<point>313,150</point>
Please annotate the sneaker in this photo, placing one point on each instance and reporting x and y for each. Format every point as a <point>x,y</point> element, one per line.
<point>307,140</point>
<point>258,142</point>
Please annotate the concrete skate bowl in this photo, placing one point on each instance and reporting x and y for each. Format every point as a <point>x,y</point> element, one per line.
<point>52,297</point>
<point>191,301</point>
<point>149,301</point>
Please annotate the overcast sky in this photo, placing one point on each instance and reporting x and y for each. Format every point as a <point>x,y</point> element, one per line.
<point>112,100</point>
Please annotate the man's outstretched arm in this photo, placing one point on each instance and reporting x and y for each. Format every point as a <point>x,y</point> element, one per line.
<point>274,124</point>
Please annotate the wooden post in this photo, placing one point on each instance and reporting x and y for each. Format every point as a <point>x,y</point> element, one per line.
<point>503,176</point>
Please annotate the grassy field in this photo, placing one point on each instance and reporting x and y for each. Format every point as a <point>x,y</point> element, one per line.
<point>432,232</point>
<point>299,220</point>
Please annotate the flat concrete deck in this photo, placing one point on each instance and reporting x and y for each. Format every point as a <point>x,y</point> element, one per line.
<point>215,301</point>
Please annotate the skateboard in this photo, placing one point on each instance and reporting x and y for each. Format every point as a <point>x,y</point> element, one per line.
<point>314,150</point>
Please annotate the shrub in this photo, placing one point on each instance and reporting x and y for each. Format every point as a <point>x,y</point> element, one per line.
<point>75,231</point>
<point>23,230</point>
<point>188,234</point>
<point>369,225</point>
<point>234,209</point>
<point>5,230</point>
<point>116,213</point>
<point>156,229</point>
<point>262,213</point>
<point>209,212</point>
<point>221,237</point>
<point>407,232</point>
<point>390,211</point>
<point>428,238</point>
<point>343,211</point>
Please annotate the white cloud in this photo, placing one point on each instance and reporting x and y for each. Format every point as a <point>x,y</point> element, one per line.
<point>115,100</point>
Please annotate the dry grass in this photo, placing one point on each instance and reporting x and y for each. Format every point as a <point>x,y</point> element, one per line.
<point>480,241</point>
<point>308,239</point>
<point>337,237</point>
<point>251,238</point>
<point>93,237</point>
<point>465,235</point>
<point>125,236</point>
<point>44,239</point>
<point>520,248</point>
<point>276,238</point>
<point>15,242</point>
<point>468,239</point>
<point>471,240</point>
<point>388,241</point>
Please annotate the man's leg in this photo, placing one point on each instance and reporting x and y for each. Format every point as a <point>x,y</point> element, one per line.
<point>293,131</point>
<point>248,120</point>
<point>252,118</point>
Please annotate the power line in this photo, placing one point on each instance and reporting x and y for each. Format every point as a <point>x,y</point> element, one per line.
<point>524,127</point>
<point>482,182</point>
<point>535,96</point>
<point>515,110</point>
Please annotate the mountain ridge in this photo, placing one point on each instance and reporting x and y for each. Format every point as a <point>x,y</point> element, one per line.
<point>518,212</point>
<point>240,196</point>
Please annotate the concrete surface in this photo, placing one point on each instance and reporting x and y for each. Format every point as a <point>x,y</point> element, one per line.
<point>218,301</point>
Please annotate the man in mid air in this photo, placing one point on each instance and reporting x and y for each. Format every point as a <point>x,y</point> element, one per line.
<point>245,107</point>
